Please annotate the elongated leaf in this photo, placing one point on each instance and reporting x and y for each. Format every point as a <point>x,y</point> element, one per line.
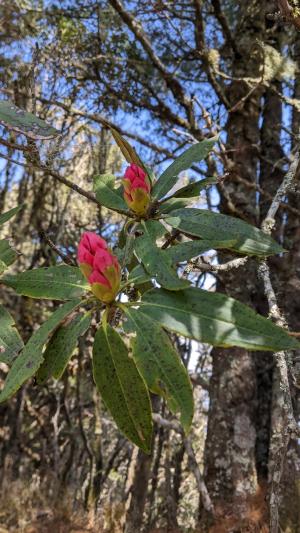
<point>156,263</point>
<point>209,225</point>
<point>9,214</point>
<point>107,195</point>
<point>160,365</point>
<point>193,189</point>
<point>61,346</point>
<point>31,357</point>
<point>21,121</point>
<point>216,319</point>
<point>195,153</point>
<point>172,204</point>
<point>127,150</point>
<point>7,254</point>
<point>122,388</point>
<point>55,283</point>
<point>10,341</point>
<point>187,250</point>
<point>177,254</point>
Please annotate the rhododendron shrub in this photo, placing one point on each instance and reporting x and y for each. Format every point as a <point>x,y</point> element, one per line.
<point>137,293</point>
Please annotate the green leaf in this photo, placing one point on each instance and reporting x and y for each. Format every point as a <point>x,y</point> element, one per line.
<point>31,357</point>
<point>107,195</point>
<point>10,341</point>
<point>3,266</point>
<point>156,229</point>
<point>187,250</point>
<point>216,319</point>
<point>138,275</point>
<point>195,153</point>
<point>61,346</point>
<point>156,263</point>
<point>7,254</point>
<point>127,150</point>
<point>160,365</point>
<point>60,282</point>
<point>209,225</point>
<point>9,214</point>
<point>172,204</point>
<point>122,388</point>
<point>177,254</point>
<point>193,189</point>
<point>21,121</point>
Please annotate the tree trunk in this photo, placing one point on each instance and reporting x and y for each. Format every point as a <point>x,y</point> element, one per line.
<point>235,446</point>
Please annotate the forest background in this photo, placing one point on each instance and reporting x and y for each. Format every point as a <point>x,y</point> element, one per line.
<point>165,74</point>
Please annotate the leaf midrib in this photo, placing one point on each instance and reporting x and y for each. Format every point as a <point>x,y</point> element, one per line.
<point>122,204</point>
<point>163,371</point>
<point>204,316</point>
<point>42,281</point>
<point>121,386</point>
<point>39,344</point>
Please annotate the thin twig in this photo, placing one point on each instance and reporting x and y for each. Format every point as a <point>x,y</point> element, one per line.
<point>66,258</point>
<point>90,196</point>
<point>285,187</point>
<point>225,267</point>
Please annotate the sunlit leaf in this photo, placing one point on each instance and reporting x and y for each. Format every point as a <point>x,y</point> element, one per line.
<point>209,225</point>
<point>127,150</point>
<point>194,154</point>
<point>216,319</point>
<point>21,121</point>
<point>107,195</point>
<point>62,282</point>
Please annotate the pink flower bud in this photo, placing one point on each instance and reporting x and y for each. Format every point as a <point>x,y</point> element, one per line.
<point>99,266</point>
<point>105,277</point>
<point>87,248</point>
<point>136,189</point>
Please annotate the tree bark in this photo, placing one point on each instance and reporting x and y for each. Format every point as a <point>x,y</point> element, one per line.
<point>233,451</point>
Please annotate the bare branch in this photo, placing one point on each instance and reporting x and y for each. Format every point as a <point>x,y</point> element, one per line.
<point>282,191</point>
<point>90,196</point>
<point>66,258</point>
<point>224,25</point>
<point>171,81</point>
<point>225,267</point>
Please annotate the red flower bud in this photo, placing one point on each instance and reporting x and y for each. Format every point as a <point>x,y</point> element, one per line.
<point>99,266</point>
<point>136,189</point>
<point>87,248</point>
